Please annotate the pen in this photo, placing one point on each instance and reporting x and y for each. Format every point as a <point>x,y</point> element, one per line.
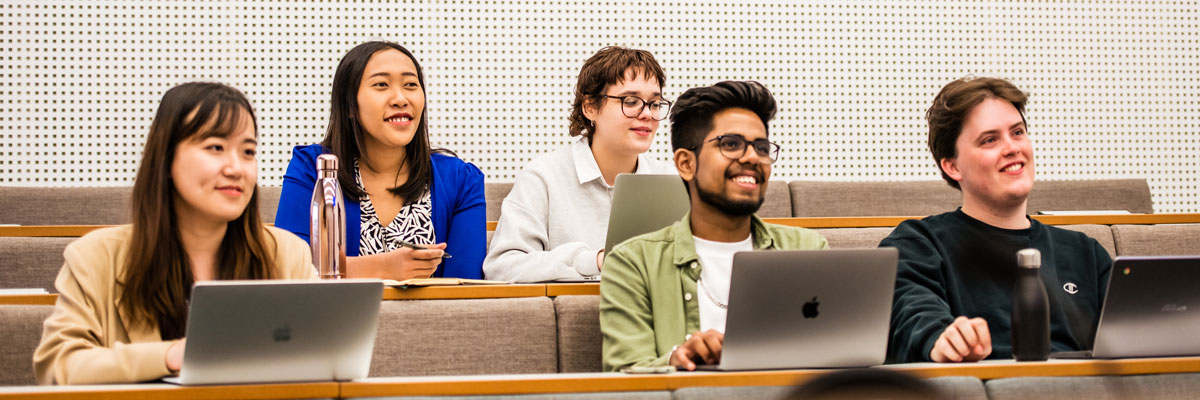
<point>415,246</point>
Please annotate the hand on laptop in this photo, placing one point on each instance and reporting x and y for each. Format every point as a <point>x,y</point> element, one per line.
<point>175,355</point>
<point>702,347</point>
<point>964,340</point>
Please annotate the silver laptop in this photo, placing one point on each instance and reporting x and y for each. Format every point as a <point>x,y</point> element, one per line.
<point>641,203</point>
<point>280,331</point>
<point>644,203</point>
<point>809,309</point>
<point>1152,308</point>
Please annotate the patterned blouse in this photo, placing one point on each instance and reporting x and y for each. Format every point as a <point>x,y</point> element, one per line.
<point>414,224</point>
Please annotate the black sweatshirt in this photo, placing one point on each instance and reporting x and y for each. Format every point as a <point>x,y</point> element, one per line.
<point>953,265</point>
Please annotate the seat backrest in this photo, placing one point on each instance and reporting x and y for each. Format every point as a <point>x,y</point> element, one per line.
<point>1157,240</point>
<point>31,262</point>
<point>1102,234</point>
<point>921,198</point>
<point>65,205</point>
<point>1159,386</point>
<point>21,328</point>
<point>465,337</point>
<point>777,203</point>
<point>268,202</point>
<point>865,199</point>
<point>1132,195</point>
<point>494,194</point>
<point>854,238</point>
<point>579,341</point>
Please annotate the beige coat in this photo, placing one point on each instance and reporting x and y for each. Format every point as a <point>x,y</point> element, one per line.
<point>88,340</point>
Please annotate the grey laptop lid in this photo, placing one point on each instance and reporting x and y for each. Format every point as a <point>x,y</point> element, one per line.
<point>809,309</point>
<point>644,203</point>
<point>1152,308</point>
<point>280,331</point>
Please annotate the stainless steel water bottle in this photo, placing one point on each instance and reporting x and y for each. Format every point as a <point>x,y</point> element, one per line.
<point>1030,309</point>
<point>327,224</point>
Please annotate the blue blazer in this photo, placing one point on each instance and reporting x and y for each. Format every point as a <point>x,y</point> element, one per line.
<point>457,200</point>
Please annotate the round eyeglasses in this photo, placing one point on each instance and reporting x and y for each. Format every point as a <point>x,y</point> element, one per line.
<point>734,147</point>
<point>632,106</point>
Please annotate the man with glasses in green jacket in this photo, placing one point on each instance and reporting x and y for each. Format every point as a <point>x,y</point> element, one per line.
<point>664,294</point>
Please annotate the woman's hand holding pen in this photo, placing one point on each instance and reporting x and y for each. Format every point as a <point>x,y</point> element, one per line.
<point>408,262</point>
<point>400,264</point>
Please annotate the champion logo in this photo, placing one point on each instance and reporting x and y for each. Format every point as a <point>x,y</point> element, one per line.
<point>1071,287</point>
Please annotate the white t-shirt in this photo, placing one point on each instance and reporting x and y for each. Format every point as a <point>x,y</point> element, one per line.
<point>716,258</point>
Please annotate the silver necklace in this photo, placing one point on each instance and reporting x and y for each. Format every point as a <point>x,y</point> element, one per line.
<point>700,282</point>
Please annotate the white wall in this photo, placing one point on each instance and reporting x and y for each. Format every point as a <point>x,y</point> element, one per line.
<point>1114,85</point>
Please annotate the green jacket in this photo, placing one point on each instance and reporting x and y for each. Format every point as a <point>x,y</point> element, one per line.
<point>648,289</point>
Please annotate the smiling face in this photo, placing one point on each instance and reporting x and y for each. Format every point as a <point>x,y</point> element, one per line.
<point>214,177</point>
<point>390,100</point>
<point>994,162</point>
<point>732,187</point>
<point>615,133</point>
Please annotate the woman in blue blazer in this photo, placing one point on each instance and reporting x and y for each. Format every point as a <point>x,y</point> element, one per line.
<point>396,188</point>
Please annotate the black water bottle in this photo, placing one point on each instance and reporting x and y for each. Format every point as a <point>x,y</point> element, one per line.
<point>1030,310</point>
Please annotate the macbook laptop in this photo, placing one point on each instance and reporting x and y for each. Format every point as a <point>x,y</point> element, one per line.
<point>641,203</point>
<point>1152,308</point>
<point>280,331</point>
<point>809,309</point>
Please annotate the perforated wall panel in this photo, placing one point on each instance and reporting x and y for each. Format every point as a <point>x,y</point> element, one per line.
<point>1114,85</point>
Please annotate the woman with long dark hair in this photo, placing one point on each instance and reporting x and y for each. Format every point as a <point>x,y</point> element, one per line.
<point>123,291</point>
<point>398,191</point>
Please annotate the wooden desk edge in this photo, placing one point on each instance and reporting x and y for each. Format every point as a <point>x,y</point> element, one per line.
<point>482,384</point>
<point>468,386</point>
<point>28,299</point>
<point>572,289</point>
<point>265,391</point>
<point>464,292</point>
<point>892,221</point>
<point>392,293</point>
<point>805,222</point>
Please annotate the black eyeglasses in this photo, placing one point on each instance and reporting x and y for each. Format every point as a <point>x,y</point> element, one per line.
<point>734,147</point>
<point>632,106</point>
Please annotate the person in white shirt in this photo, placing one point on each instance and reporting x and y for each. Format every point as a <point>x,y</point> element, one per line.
<point>554,221</point>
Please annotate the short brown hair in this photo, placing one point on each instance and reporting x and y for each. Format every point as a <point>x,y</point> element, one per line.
<point>951,107</point>
<point>608,67</point>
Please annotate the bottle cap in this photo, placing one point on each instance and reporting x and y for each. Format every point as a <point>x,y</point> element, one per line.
<point>328,162</point>
<point>1029,258</point>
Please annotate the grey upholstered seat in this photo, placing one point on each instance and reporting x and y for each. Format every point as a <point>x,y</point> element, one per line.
<point>861,199</point>
<point>21,328</point>
<point>777,203</point>
<point>89,205</point>
<point>578,333</point>
<point>31,262</point>
<point>1157,240</point>
<point>1132,195</point>
<point>920,198</point>
<point>854,238</point>
<point>494,194</point>
<point>64,205</point>
<point>1161,387</point>
<point>465,337</point>
<point>953,387</point>
<point>1102,234</point>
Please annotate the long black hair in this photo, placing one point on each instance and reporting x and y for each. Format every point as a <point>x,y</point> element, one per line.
<point>158,276</point>
<point>344,135</point>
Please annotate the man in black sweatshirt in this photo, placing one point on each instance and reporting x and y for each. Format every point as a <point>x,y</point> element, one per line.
<point>954,283</point>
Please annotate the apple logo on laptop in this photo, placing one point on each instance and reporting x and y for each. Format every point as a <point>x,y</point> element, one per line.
<point>283,333</point>
<point>810,308</point>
